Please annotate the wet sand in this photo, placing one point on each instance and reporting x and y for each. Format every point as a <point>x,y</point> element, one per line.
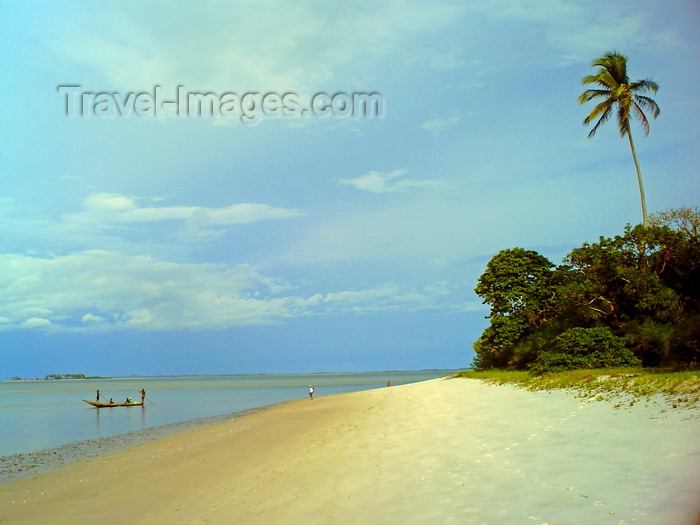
<point>441,451</point>
<point>24,464</point>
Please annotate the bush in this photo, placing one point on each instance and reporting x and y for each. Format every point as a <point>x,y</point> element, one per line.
<point>584,348</point>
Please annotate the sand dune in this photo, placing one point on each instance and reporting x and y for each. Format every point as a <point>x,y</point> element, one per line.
<point>441,451</point>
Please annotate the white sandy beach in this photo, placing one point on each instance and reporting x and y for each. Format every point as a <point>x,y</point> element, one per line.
<point>441,451</point>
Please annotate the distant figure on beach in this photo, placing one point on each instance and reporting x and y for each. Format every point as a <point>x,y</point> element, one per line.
<point>388,383</point>
<point>311,391</point>
<point>143,395</point>
<point>98,396</point>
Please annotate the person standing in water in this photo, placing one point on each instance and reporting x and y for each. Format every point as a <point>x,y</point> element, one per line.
<point>311,391</point>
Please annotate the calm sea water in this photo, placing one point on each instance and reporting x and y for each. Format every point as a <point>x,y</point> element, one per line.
<point>38,415</point>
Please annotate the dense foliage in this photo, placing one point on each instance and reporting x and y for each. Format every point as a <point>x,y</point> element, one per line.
<point>585,348</point>
<point>621,301</point>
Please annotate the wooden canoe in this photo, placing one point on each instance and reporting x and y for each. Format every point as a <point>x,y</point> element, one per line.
<point>108,405</point>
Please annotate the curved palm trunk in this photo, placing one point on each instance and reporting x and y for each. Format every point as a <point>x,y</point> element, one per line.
<point>639,179</point>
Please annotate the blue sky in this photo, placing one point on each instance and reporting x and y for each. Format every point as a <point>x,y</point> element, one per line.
<point>194,245</point>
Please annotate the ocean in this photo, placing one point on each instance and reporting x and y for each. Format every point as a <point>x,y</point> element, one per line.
<point>45,422</point>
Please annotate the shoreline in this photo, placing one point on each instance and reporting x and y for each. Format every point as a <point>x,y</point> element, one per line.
<point>437,451</point>
<point>20,465</point>
<point>43,415</point>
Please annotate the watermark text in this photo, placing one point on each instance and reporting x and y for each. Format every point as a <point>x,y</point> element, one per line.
<point>250,107</point>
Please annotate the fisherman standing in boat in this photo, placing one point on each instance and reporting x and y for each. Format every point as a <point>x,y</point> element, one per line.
<point>143,395</point>
<point>98,396</point>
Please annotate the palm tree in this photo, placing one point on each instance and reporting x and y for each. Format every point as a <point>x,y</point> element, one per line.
<point>617,91</point>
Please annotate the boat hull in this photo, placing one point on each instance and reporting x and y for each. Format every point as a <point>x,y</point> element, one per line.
<point>110,405</point>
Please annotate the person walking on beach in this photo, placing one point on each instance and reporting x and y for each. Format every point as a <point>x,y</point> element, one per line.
<point>143,395</point>
<point>311,391</point>
<point>98,396</point>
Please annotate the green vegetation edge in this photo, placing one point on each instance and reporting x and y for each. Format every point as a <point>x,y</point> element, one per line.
<point>626,385</point>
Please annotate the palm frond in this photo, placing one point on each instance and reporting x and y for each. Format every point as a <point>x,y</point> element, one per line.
<point>608,79</point>
<point>619,69</point>
<point>646,103</point>
<point>599,109</point>
<point>618,92</point>
<point>604,109</point>
<point>642,118</point>
<point>602,78</point>
<point>589,79</point>
<point>615,64</point>
<point>590,94</point>
<point>623,119</point>
<point>642,86</point>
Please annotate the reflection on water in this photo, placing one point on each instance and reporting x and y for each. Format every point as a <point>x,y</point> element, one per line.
<point>108,414</point>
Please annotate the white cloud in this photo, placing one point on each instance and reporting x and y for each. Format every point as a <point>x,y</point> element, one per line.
<point>391,297</point>
<point>113,208</point>
<point>99,290</point>
<point>113,220</point>
<point>109,201</point>
<point>121,223</point>
<point>376,181</point>
<point>274,45</point>
<point>438,125</point>
<point>387,182</point>
<point>35,322</point>
<point>90,318</point>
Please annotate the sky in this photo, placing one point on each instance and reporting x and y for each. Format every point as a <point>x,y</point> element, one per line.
<point>147,238</point>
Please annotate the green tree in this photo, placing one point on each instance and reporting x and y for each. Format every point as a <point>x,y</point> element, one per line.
<point>585,348</point>
<point>517,286</point>
<point>642,287</point>
<point>624,278</point>
<point>619,93</point>
<point>684,274</point>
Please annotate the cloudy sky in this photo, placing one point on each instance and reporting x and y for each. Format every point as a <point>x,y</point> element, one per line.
<point>179,244</point>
